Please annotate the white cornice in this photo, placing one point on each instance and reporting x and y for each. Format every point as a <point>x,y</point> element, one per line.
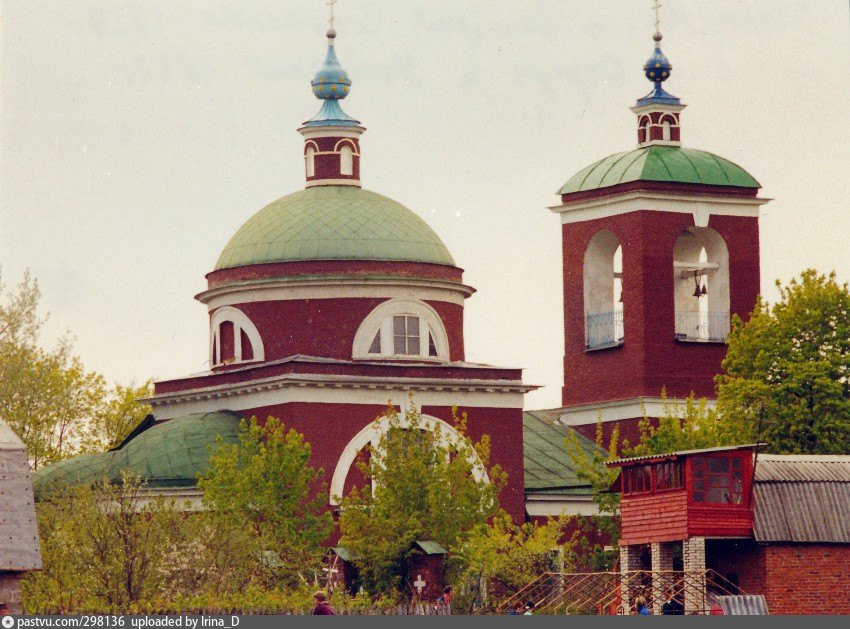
<point>553,505</point>
<point>340,389</point>
<point>329,131</point>
<point>333,182</point>
<point>335,287</point>
<point>617,410</point>
<point>702,207</point>
<point>663,107</point>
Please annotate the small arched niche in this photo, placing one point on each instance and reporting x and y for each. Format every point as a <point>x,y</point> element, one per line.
<point>234,338</point>
<point>346,160</point>
<point>603,291</point>
<point>701,286</point>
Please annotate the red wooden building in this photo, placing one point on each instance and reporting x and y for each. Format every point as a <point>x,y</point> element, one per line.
<point>777,525</point>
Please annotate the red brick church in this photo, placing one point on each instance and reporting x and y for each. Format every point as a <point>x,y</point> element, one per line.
<point>334,299</point>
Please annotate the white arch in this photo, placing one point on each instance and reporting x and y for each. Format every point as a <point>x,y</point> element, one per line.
<point>603,312</point>
<point>374,324</point>
<point>372,433</point>
<point>705,317</point>
<point>241,323</point>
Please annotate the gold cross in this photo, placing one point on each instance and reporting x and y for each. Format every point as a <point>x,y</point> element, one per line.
<point>656,5</point>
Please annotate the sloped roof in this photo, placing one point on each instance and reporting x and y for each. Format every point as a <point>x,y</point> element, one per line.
<point>168,454</point>
<point>19,547</point>
<point>802,498</point>
<point>548,467</point>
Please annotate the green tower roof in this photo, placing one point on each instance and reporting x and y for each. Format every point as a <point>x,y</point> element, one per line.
<point>671,164</point>
<point>334,223</point>
<point>169,454</point>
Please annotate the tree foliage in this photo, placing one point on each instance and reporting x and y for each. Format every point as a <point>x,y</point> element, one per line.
<point>57,407</point>
<point>789,365</point>
<point>103,547</point>
<point>267,524</point>
<point>419,485</point>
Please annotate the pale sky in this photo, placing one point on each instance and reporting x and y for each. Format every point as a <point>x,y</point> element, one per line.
<point>138,136</point>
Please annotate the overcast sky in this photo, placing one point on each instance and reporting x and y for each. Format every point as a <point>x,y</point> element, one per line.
<point>138,136</point>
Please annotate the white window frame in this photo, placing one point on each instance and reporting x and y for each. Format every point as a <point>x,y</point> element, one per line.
<point>380,322</point>
<point>241,323</point>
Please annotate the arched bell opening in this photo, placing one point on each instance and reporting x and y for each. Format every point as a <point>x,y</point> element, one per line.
<point>603,292</point>
<point>701,286</point>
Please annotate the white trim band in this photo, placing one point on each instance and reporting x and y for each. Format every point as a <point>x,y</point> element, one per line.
<point>618,410</point>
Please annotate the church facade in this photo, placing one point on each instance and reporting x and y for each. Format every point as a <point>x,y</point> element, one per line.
<point>333,301</point>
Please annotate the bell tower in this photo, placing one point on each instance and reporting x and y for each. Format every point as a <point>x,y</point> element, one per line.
<point>660,249</point>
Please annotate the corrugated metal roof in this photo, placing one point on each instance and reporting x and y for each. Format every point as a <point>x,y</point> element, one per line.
<point>548,467</point>
<point>802,498</point>
<point>743,605</point>
<point>667,455</point>
<point>803,467</point>
<point>19,546</point>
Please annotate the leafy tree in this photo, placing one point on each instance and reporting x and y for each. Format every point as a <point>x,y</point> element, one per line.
<point>506,556</point>
<point>103,548</point>
<point>57,407</point>
<point>419,486</point>
<point>261,513</point>
<point>789,366</point>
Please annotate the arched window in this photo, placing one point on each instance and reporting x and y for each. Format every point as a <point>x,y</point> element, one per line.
<point>310,160</point>
<point>371,435</point>
<point>401,328</point>
<point>665,130</point>
<point>234,338</point>
<point>643,130</point>
<point>701,285</point>
<point>603,291</point>
<point>346,160</point>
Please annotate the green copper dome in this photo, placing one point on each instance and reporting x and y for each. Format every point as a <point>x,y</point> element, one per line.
<point>334,223</point>
<point>168,454</point>
<point>671,164</point>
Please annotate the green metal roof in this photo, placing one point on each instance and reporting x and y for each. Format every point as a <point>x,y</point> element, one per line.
<point>431,548</point>
<point>169,454</point>
<point>548,467</point>
<point>334,223</point>
<point>672,164</point>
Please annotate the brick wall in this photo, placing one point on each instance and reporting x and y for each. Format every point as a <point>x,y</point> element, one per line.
<point>807,578</point>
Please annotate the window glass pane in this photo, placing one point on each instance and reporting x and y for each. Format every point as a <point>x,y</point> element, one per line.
<point>413,326</point>
<point>398,326</point>
<point>718,481</point>
<point>718,494</point>
<point>398,345</point>
<point>432,349</point>
<point>698,484</point>
<point>698,463</point>
<point>698,496</point>
<point>736,464</point>
<point>718,466</point>
<point>413,345</point>
<point>375,347</point>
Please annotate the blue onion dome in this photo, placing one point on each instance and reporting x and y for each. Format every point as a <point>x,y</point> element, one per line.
<point>331,81</point>
<point>657,68</point>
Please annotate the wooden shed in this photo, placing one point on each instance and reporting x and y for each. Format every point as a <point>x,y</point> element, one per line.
<point>20,551</point>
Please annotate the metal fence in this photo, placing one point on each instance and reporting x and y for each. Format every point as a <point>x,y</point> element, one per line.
<point>702,326</point>
<point>615,593</point>
<point>604,329</point>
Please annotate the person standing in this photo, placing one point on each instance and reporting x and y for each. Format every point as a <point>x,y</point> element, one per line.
<point>322,607</point>
<point>672,606</point>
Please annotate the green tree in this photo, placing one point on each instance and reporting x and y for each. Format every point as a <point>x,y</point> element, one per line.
<point>263,493</point>
<point>789,366</point>
<point>419,485</point>
<point>505,556</point>
<point>104,548</point>
<point>57,407</point>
